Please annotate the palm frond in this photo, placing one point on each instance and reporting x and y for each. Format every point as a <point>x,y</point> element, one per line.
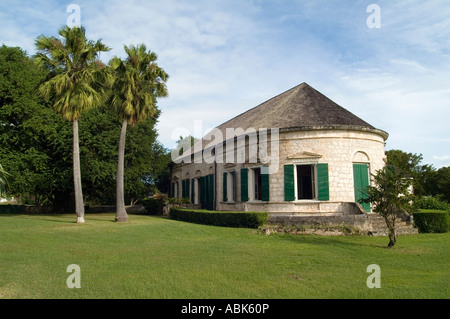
<point>77,75</point>
<point>138,82</point>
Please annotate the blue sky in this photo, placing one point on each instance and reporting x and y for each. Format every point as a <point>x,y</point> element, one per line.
<point>227,56</point>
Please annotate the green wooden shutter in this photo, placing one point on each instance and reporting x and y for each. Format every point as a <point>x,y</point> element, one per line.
<point>361,180</point>
<point>265,184</point>
<point>244,185</point>
<point>224,186</point>
<point>323,182</point>
<point>289,189</point>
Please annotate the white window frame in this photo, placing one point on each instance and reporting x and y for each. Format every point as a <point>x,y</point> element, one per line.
<point>251,182</point>
<point>196,191</point>
<point>231,186</point>
<point>314,183</point>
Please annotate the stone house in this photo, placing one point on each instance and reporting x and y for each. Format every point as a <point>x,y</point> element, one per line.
<point>298,152</point>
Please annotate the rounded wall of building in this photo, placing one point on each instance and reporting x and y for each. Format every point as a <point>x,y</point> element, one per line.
<point>340,149</point>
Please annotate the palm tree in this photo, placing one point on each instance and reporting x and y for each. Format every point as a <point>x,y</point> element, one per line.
<point>138,81</point>
<point>74,85</point>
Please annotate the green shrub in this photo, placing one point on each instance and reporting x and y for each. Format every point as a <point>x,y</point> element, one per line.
<point>219,218</point>
<point>153,206</point>
<point>12,209</point>
<point>432,221</point>
<point>430,202</point>
<point>179,201</point>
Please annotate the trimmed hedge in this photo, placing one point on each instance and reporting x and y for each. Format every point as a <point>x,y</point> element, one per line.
<point>220,218</point>
<point>430,202</point>
<point>12,209</point>
<point>432,222</point>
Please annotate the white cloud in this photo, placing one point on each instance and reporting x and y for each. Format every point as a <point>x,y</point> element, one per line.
<point>441,158</point>
<point>225,57</point>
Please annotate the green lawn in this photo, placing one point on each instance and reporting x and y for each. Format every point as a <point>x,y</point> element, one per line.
<point>154,257</point>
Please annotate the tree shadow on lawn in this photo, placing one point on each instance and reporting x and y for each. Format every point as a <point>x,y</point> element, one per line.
<point>342,240</point>
<point>62,218</point>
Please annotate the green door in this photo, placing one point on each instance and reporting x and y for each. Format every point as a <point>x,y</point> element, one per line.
<point>361,179</point>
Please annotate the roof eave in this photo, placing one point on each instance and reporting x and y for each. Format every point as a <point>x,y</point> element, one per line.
<point>382,133</point>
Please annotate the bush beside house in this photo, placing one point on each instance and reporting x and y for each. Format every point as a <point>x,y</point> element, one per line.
<point>432,221</point>
<point>220,218</point>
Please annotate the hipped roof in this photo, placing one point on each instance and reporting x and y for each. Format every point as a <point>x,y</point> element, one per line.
<point>300,108</point>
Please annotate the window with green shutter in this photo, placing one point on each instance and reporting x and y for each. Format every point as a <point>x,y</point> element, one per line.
<point>225,187</point>
<point>244,185</point>
<point>289,187</point>
<point>256,187</point>
<point>303,185</point>
<point>361,181</point>
<point>306,185</point>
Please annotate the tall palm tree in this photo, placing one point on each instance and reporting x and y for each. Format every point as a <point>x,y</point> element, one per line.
<point>74,85</point>
<point>138,81</point>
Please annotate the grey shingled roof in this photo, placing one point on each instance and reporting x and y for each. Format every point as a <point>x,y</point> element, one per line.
<point>301,106</point>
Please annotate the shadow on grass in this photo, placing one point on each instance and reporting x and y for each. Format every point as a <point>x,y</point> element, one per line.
<point>337,241</point>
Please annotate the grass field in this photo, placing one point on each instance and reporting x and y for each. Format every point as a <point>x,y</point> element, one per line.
<point>154,257</point>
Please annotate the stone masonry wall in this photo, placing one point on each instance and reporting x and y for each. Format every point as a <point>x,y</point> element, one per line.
<point>340,149</point>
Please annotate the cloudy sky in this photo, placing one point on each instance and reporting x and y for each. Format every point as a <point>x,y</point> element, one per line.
<point>227,56</point>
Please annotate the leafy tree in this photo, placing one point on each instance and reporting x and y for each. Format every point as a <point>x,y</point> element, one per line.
<point>29,130</point>
<point>138,81</point>
<point>146,162</point>
<point>74,85</point>
<point>35,145</point>
<point>409,165</point>
<point>443,182</point>
<point>389,196</point>
<point>427,180</point>
<point>405,163</point>
<point>99,130</point>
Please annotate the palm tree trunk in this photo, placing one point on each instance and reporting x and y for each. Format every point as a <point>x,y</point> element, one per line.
<point>79,204</point>
<point>121,213</point>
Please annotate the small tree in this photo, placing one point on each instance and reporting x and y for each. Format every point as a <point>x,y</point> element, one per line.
<point>389,196</point>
